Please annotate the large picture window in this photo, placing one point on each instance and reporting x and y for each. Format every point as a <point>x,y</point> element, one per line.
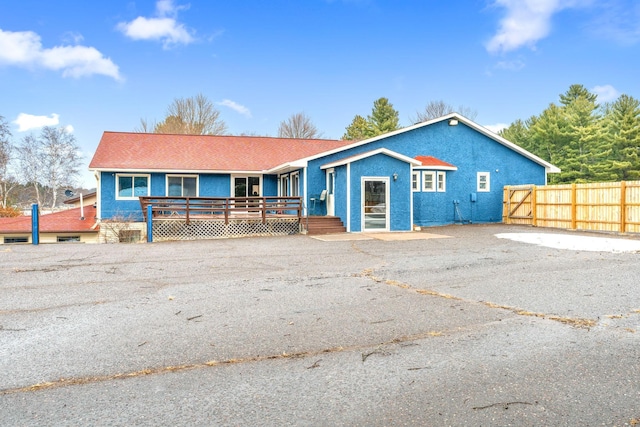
<point>131,186</point>
<point>182,186</point>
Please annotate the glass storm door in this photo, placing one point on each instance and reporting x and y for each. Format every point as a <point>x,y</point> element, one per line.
<point>375,204</point>
<point>331,187</point>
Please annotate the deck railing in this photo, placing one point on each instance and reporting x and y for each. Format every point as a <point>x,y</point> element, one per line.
<point>226,208</point>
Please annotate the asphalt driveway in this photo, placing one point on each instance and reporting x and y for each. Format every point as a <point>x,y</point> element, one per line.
<point>451,327</point>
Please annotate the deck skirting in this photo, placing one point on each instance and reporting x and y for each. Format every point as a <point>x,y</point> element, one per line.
<point>196,229</point>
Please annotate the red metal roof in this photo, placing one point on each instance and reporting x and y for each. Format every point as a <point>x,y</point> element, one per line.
<point>147,151</point>
<point>67,221</point>
<point>432,161</point>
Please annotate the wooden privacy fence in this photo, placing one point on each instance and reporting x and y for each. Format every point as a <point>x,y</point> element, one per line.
<point>606,206</point>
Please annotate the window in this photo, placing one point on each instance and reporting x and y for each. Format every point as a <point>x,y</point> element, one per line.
<point>295,184</point>
<point>484,182</point>
<point>428,181</point>
<point>65,239</point>
<point>246,186</point>
<point>182,186</point>
<point>442,181</point>
<point>284,185</point>
<point>415,181</point>
<point>131,186</point>
<point>20,239</point>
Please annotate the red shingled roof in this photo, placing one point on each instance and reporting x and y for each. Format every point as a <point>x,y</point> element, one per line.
<point>67,221</point>
<point>432,161</point>
<point>147,151</point>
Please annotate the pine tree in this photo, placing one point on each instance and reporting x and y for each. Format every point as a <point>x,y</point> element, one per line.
<point>358,130</point>
<point>624,131</point>
<point>383,119</point>
<point>576,92</point>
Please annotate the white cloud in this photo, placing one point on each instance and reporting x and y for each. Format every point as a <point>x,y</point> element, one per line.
<point>497,127</point>
<point>515,65</point>
<point>236,107</point>
<point>163,27</point>
<point>24,49</point>
<point>27,122</point>
<point>526,22</point>
<point>606,93</point>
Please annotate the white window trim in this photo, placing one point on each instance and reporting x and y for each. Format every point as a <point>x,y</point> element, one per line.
<point>166,183</point>
<point>233,179</point>
<point>294,178</point>
<point>133,175</point>
<point>442,175</point>
<point>488,182</point>
<point>415,175</point>
<point>284,187</point>
<point>432,174</point>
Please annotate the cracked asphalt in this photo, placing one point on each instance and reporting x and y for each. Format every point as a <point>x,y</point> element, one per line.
<point>467,330</point>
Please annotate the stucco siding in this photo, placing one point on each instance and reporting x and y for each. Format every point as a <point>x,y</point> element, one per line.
<point>215,185</point>
<point>399,190</point>
<point>467,149</point>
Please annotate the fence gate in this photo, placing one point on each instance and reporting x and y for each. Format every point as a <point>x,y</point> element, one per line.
<point>519,205</point>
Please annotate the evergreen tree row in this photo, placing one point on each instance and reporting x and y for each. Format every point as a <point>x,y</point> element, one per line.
<point>587,141</point>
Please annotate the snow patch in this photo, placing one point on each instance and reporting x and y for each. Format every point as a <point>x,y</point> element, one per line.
<point>575,243</point>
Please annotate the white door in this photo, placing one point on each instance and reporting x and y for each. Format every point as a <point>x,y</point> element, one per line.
<point>375,204</point>
<point>331,187</point>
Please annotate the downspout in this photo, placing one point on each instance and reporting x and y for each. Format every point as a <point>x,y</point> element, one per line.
<point>81,207</point>
<point>98,197</point>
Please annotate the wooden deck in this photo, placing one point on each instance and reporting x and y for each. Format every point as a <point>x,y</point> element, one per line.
<point>190,218</point>
<point>222,209</point>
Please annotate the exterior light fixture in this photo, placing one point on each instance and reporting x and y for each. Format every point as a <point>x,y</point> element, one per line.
<point>395,176</point>
<point>453,122</point>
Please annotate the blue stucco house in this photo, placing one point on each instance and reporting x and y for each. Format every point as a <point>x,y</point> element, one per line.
<point>442,171</point>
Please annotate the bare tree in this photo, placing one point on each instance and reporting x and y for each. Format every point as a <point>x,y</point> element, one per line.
<point>49,162</point>
<point>145,126</point>
<point>298,126</point>
<point>435,109</point>
<point>30,164</point>
<point>7,183</point>
<point>195,116</point>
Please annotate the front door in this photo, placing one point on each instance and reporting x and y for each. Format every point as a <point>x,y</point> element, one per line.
<point>375,204</point>
<point>246,186</point>
<point>331,187</point>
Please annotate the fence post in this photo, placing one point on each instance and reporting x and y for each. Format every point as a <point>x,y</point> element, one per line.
<point>506,205</point>
<point>534,213</point>
<point>35,224</point>
<point>149,224</point>
<point>574,210</point>
<point>623,206</point>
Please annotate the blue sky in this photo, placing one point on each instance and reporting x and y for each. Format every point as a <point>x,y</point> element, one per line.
<point>103,65</point>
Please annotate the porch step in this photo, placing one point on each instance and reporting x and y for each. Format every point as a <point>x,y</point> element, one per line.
<point>324,225</point>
